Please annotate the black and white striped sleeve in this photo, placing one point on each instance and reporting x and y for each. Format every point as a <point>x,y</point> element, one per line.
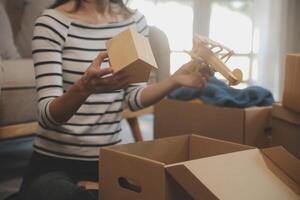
<point>47,43</point>
<point>133,96</point>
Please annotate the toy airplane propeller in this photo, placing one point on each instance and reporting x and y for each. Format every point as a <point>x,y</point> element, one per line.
<point>215,55</point>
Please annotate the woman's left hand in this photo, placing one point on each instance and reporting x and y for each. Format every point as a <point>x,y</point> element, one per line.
<point>192,74</point>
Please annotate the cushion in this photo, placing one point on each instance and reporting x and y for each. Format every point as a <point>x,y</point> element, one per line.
<point>32,10</point>
<point>8,49</point>
<point>18,110</point>
<point>18,73</point>
<point>18,96</point>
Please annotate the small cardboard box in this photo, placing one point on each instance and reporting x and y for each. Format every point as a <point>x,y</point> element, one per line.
<point>251,126</point>
<point>286,129</point>
<point>291,94</point>
<point>194,167</point>
<point>132,52</point>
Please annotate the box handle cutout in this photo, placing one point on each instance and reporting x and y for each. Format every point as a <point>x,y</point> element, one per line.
<point>129,185</point>
<point>268,132</point>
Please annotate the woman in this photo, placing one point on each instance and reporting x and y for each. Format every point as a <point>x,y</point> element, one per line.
<point>80,97</point>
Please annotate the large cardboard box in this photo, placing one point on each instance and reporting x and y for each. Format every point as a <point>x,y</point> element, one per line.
<point>195,167</point>
<point>286,129</point>
<point>291,94</point>
<point>132,52</point>
<point>251,126</point>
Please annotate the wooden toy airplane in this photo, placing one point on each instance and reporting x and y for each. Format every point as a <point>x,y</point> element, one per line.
<point>215,55</point>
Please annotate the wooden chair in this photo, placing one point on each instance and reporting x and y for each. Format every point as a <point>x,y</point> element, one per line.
<point>132,119</point>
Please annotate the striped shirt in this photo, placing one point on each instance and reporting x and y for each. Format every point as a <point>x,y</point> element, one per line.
<point>62,49</point>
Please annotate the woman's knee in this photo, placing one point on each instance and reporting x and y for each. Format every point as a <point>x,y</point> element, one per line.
<point>54,185</point>
<point>58,186</point>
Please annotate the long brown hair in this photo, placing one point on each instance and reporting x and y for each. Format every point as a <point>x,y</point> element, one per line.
<point>78,4</point>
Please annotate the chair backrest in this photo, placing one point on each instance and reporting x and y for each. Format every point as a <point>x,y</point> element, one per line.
<point>161,50</point>
<point>14,10</point>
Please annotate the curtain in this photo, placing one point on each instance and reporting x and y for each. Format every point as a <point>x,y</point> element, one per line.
<point>276,33</point>
<point>174,17</point>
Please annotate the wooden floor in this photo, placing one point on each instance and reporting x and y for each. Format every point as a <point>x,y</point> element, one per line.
<point>14,155</point>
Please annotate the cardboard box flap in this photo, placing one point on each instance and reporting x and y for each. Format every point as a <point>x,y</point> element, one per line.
<point>143,48</point>
<point>201,147</point>
<point>285,161</point>
<point>190,183</point>
<point>283,113</point>
<point>167,150</point>
<point>243,175</point>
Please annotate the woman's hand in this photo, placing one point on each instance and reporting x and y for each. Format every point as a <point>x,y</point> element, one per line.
<point>192,74</point>
<point>93,80</point>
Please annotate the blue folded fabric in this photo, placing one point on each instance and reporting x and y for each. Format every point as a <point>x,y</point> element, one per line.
<point>218,93</point>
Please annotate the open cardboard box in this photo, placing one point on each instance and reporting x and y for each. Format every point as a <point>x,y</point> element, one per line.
<point>195,167</point>
<point>286,129</point>
<point>251,126</point>
<point>131,51</point>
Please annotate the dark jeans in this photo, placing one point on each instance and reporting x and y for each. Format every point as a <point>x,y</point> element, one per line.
<point>49,178</point>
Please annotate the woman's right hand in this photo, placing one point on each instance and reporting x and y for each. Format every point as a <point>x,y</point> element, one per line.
<point>93,81</point>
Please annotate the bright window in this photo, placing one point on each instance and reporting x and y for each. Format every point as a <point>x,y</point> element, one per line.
<point>175,19</point>
<point>231,24</point>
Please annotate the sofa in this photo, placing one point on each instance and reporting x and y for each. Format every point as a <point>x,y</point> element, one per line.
<point>17,83</point>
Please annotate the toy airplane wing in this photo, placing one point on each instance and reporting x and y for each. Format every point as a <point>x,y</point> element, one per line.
<point>215,55</point>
